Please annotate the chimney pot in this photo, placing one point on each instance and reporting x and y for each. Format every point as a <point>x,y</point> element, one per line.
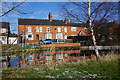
<point>50,17</point>
<point>66,20</point>
<point>71,21</point>
<point>115,21</point>
<point>106,21</point>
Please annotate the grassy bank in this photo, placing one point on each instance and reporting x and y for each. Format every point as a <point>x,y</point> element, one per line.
<point>89,69</point>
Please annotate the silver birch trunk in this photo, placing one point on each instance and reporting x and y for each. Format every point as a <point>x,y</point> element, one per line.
<point>92,33</point>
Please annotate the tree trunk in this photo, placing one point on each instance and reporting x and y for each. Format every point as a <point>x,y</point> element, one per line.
<point>92,33</point>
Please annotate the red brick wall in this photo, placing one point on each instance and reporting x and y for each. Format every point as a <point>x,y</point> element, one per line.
<point>52,30</point>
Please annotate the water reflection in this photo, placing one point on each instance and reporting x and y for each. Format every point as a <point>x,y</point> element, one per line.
<point>41,58</point>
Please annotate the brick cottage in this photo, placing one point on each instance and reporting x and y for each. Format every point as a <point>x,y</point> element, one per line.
<point>41,29</point>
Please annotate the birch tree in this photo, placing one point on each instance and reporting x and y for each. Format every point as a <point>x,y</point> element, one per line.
<point>88,13</point>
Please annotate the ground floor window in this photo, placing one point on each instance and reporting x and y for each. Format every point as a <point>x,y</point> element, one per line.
<point>37,62</point>
<point>3,39</point>
<point>48,35</point>
<point>59,36</point>
<point>49,57</point>
<point>59,56</point>
<point>66,55</point>
<point>41,62</point>
<point>29,36</point>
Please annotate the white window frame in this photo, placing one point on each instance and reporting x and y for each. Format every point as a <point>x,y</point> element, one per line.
<point>66,55</point>
<point>48,28</point>
<point>73,28</point>
<point>65,29</point>
<point>59,56</point>
<point>27,34</point>
<point>65,36</point>
<point>40,29</point>
<point>41,56</point>
<point>37,29</point>
<point>73,35</point>
<point>29,29</point>
<point>59,29</point>
<point>85,29</point>
<point>3,30</point>
<point>49,58</point>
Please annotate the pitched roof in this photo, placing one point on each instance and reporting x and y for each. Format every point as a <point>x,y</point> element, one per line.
<point>4,25</point>
<point>22,21</point>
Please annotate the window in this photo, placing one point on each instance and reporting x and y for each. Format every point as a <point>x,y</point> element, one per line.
<point>65,36</point>
<point>59,56</point>
<point>37,56</point>
<point>37,29</point>
<point>59,29</point>
<point>41,56</point>
<point>3,30</point>
<point>73,28</point>
<point>3,64</point>
<point>4,38</point>
<point>73,35</point>
<point>31,58</point>
<point>85,29</point>
<point>41,62</point>
<point>65,29</point>
<point>37,37</point>
<point>48,29</point>
<point>66,55</point>
<point>48,57</point>
<point>40,29</point>
<point>29,29</point>
<point>37,62</point>
<point>29,36</point>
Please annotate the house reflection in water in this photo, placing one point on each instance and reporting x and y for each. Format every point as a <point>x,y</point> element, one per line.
<point>50,57</point>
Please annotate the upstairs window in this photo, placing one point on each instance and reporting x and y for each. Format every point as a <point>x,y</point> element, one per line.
<point>73,35</point>
<point>37,29</point>
<point>48,29</point>
<point>59,29</point>
<point>41,56</point>
<point>65,29</point>
<point>85,29</point>
<point>29,29</point>
<point>3,30</point>
<point>73,28</point>
<point>40,29</point>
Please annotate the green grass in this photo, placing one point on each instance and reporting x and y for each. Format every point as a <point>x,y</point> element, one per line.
<point>101,69</point>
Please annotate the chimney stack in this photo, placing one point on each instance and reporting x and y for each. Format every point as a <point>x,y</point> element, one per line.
<point>66,20</point>
<point>115,21</point>
<point>106,21</point>
<point>50,17</point>
<point>71,21</point>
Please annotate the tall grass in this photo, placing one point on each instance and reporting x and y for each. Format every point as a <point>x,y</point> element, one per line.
<point>106,68</point>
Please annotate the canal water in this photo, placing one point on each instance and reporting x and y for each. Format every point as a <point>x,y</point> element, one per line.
<point>46,58</point>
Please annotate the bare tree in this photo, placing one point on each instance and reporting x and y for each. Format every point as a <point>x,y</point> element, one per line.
<point>100,11</point>
<point>12,7</point>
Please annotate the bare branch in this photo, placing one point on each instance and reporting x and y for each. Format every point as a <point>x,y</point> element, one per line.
<point>12,9</point>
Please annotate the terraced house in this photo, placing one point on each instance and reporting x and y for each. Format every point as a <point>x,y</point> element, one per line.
<point>41,29</point>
